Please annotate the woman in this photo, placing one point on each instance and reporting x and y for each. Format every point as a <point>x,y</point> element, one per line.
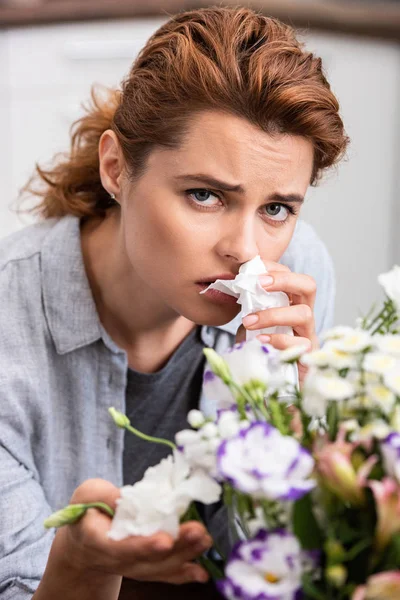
<point>200,163</point>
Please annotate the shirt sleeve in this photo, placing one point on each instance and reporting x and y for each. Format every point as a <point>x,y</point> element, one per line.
<point>24,542</point>
<point>308,254</point>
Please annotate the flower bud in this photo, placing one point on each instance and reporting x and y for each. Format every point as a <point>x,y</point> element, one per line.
<point>209,431</point>
<point>336,575</point>
<point>119,418</point>
<point>335,552</point>
<point>195,418</point>
<point>65,516</point>
<point>218,365</point>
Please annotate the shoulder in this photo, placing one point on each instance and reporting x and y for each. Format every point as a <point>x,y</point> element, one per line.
<point>24,244</point>
<point>308,254</point>
<point>22,324</point>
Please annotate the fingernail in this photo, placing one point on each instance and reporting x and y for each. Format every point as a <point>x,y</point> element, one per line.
<point>250,320</point>
<point>193,536</point>
<point>162,545</point>
<point>266,279</point>
<point>264,339</point>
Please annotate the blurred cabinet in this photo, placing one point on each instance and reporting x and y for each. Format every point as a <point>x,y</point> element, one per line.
<point>356,209</point>
<point>46,74</point>
<point>51,71</point>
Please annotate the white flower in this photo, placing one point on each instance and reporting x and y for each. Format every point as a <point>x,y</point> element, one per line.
<point>391,284</point>
<point>157,502</point>
<point>379,363</point>
<point>332,387</point>
<point>251,463</point>
<point>338,332</point>
<point>198,450</point>
<point>330,356</point>
<point>318,358</point>
<point>195,418</point>
<point>378,429</point>
<point>356,341</point>
<point>248,363</point>
<point>388,344</point>
<point>392,380</point>
<point>313,403</point>
<point>228,424</point>
<point>267,566</point>
<point>382,397</point>
<point>292,353</point>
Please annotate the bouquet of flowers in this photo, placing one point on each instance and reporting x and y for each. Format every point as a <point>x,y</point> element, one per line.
<point>312,487</point>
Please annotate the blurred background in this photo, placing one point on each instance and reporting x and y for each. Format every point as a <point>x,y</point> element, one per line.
<point>52,51</point>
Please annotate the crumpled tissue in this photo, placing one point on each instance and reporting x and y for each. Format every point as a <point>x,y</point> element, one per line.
<point>253,298</point>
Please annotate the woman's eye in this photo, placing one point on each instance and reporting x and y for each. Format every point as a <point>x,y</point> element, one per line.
<point>278,212</point>
<point>204,197</point>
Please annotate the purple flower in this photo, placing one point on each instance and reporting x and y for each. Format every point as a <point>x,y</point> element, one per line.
<point>262,462</point>
<point>248,363</point>
<point>391,455</point>
<point>267,567</point>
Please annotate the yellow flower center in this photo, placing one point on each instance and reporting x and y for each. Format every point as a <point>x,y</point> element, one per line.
<point>271,578</point>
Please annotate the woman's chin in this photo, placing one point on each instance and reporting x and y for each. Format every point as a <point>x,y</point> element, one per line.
<point>213,316</point>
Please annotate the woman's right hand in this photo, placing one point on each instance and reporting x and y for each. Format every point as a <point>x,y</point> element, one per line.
<point>84,549</point>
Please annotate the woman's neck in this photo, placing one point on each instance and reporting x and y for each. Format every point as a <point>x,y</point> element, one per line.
<point>131,314</point>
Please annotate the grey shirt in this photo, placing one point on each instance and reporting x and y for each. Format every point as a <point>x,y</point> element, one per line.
<point>158,403</point>
<point>59,373</point>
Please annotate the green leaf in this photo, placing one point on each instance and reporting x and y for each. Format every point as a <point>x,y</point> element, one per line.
<point>357,549</point>
<point>305,526</point>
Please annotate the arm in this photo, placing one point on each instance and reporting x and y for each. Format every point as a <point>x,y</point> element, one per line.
<point>84,563</point>
<point>24,543</point>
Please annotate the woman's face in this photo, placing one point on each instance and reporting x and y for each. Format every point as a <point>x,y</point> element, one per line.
<point>228,193</point>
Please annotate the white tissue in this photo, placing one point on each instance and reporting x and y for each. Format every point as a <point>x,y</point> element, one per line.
<point>253,298</point>
<point>251,295</point>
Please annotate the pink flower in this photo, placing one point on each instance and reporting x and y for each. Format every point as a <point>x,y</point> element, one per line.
<point>383,586</point>
<point>387,499</point>
<point>337,472</point>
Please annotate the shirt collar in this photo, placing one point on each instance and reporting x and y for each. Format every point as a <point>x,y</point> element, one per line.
<point>68,301</point>
<point>69,306</point>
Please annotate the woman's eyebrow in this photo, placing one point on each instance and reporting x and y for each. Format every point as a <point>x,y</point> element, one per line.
<point>212,182</point>
<point>230,187</point>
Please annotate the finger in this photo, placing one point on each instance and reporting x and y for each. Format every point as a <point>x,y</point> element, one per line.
<point>301,287</point>
<point>270,265</point>
<point>177,559</point>
<point>281,341</point>
<point>187,573</point>
<point>95,528</point>
<point>96,490</point>
<point>240,335</point>
<point>300,317</point>
<point>190,533</point>
<point>161,546</point>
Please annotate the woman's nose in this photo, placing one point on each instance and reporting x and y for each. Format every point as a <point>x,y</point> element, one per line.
<point>238,241</point>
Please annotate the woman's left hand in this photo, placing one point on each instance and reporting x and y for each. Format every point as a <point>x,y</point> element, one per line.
<point>301,290</point>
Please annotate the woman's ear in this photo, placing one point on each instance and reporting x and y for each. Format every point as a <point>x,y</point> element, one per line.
<point>111,163</point>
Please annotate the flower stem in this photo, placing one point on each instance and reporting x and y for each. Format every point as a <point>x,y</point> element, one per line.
<point>101,506</point>
<point>245,394</point>
<point>211,568</point>
<point>150,438</point>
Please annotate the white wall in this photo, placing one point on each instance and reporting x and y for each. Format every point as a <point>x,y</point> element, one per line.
<point>356,209</point>
<point>46,73</point>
